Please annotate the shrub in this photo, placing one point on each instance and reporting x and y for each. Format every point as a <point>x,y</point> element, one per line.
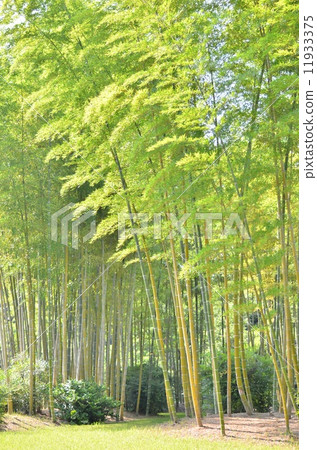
<point>83,402</point>
<point>19,383</point>
<point>260,374</point>
<point>260,371</point>
<point>158,397</point>
<point>3,393</point>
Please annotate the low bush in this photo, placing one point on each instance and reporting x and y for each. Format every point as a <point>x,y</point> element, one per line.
<point>83,402</point>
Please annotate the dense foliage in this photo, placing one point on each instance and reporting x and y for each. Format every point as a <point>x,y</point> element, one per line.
<point>83,402</point>
<point>260,373</point>
<point>3,394</point>
<point>19,384</point>
<point>151,376</point>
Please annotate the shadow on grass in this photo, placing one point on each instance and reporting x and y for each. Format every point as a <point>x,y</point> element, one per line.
<point>145,422</point>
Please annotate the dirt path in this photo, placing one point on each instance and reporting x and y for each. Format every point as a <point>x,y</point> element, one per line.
<point>261,427</point>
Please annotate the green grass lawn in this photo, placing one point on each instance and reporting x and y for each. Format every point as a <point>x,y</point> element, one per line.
<point>136,434</point>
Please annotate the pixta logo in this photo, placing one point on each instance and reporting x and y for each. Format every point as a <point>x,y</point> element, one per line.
<point>75,221</point>
<point>138,223</point>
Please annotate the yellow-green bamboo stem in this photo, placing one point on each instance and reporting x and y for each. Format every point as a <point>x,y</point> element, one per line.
<point>193,339</point>
<point>188,403</point>
<point>228,339</point>
<point>64,313</point>
<point>194,390</point>
<point>215,371</point>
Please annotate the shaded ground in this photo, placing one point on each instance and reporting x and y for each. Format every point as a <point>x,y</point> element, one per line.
<point>262,427</point>
<point>260,431</point>
<point>19,422</point>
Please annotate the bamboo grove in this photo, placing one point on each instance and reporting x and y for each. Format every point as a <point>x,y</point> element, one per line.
<point>169,110</point>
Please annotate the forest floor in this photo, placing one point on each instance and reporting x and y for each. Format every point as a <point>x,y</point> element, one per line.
<point>260,431</point>
<point>260,427</point>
